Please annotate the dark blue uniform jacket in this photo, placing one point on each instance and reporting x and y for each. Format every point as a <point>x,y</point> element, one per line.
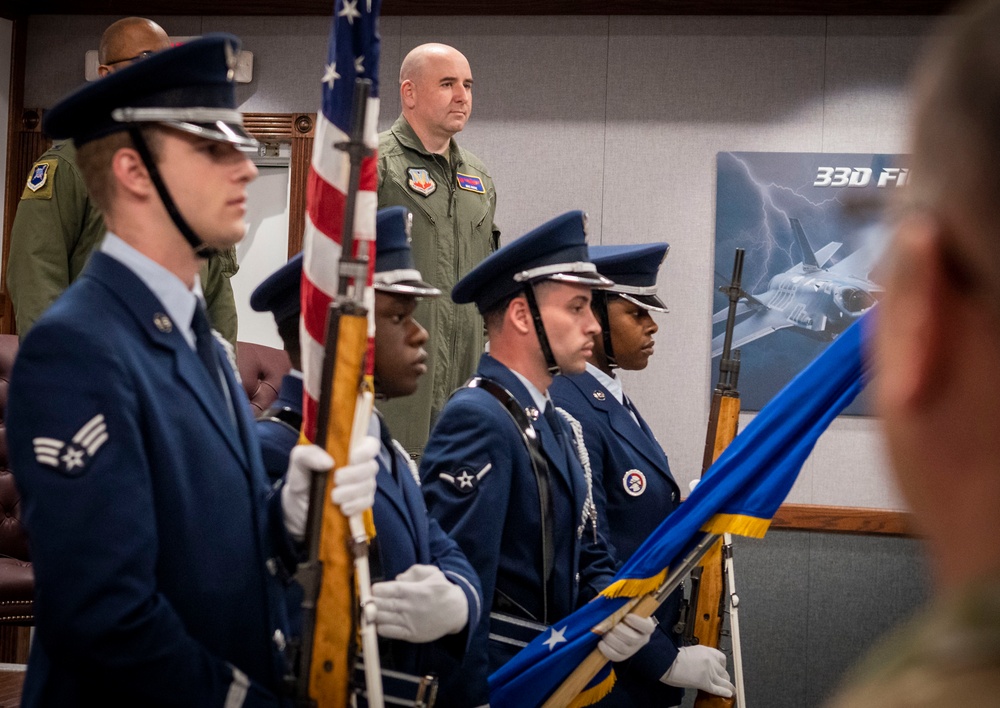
<point>479,484</point>
<point>276,437</point>
<point>153,528</point>
<point>635,492</point>
<point>405,535</point>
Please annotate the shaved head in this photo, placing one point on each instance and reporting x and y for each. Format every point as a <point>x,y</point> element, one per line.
<point>435,88</point>
<point>417,60</point>
<point>126,40</point>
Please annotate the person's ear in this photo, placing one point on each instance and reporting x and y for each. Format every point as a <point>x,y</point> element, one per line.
<point>130,172</point>
<point>408,93</point>
<point>915,316</point>
<point>519,315</point>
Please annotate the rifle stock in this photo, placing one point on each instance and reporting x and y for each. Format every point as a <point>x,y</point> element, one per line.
<point>707,582</point>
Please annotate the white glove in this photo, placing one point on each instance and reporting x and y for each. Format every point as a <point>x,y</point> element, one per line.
<point>419,606</point>
<point>354,484</point>
<point>627,637</point>
<point>700,667</point>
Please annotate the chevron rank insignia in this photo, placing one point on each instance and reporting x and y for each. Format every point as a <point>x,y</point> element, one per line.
<point>71,458</point>
<point>466,479</point>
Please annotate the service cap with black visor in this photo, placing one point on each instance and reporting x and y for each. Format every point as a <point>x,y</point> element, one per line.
<point>556,250</point>
<point>395,271</point>
<point>189,88</point>
<point>633,270</point>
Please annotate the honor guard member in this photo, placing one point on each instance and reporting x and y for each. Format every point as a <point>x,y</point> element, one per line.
<point>429,599</point>
<point>452,198</point>
<point>501,471</point>
<point>279,426</point>
<point>633,488</point>
<point>159,549</point>
<point>58,225</point>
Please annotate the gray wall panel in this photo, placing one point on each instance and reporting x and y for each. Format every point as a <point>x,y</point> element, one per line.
<point>812,604</point>
<point>288,58</point>
<point>771,574</point>
<point>868,62</point>
<point>680,90</point>
<point>859,587</point>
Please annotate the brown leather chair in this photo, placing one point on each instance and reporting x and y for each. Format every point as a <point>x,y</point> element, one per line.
<point>16,578</point>
<point>261,369</point>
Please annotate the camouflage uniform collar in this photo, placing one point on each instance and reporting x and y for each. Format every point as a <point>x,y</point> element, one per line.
<point>408,138</point>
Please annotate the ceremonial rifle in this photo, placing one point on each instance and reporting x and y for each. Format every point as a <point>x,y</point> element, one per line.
<point>336,573</point>
<point>707,605</point>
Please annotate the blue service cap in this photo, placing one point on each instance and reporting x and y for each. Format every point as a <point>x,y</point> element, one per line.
<point>189,88</point>
<point>633,269</point>
<point>556,250</point>
<point>394,269</point>
<point>279,292</point>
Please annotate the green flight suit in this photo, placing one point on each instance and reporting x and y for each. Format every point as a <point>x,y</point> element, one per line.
<point>453,201</point>
<point>55,229</point>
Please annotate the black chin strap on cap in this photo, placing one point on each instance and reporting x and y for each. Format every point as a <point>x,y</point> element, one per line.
<point>600,307</point>
<point>543,340</point>
<point>200,249</point>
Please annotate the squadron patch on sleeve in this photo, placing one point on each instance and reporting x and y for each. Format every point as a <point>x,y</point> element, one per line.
<point>634,482</point>
<point>466,479</point>
<point>72,458</point>
<point>420,181</point>
<point>470,183</point>
<point>39,186</point>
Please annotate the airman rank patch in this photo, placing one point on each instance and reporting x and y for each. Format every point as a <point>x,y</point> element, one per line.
<point>471,183</point>
<point>634,482</point>
<point>465,479</point>
<point>39,186</point>
<point>420,181</point>
<point>71,458</point>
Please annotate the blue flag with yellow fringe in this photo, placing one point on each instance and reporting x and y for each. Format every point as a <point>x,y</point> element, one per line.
<point>739,494</point>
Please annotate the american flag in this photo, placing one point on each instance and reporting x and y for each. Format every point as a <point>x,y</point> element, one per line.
<point>353,53</point>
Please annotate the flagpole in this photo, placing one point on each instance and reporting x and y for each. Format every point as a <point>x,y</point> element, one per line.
<point>644,606</point>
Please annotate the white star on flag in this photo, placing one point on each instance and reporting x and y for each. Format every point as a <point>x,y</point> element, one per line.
<point>359,64</point>
<point>350,11</point>
<point>556,638</point>
<point>331,75</point>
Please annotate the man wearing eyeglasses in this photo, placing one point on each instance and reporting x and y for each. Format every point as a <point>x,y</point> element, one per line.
<point>57,225</point>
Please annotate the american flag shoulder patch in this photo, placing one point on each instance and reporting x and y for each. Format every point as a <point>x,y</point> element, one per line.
<point>72,457</point>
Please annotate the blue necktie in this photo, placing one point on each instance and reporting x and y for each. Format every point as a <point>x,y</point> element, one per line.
<point>205,345</point>
<point>631,409</point>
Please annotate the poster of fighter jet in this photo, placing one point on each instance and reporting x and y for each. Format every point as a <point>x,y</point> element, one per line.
<point>811,226</point>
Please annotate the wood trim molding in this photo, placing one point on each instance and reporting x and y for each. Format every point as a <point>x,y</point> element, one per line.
<point>299,130</point>
<point>490,7</point>
<point>23,141</point>
<point>843,519</point>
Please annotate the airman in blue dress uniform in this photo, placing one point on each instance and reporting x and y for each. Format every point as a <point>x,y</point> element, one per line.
<point>160,550</point>
<point>633,488</point>
<point>278,427</point>
<point>429,596</point>
<point>500,471</point>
